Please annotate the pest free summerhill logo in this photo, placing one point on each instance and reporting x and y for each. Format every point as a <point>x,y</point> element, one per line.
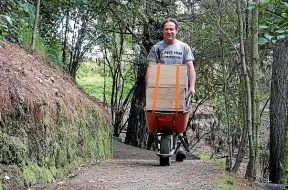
<point>172,54</point>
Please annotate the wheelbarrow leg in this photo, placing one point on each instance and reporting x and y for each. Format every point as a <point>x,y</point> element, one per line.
<point>175,141</point>
<point>185,145</point>
<point>185,137</point>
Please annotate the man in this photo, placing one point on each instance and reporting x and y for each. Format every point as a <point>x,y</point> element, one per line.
<point>172,51</point>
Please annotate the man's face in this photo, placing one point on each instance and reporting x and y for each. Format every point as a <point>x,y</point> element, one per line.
<point>169,31</point>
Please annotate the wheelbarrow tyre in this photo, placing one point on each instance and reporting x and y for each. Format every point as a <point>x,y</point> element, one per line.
<point>165,146</point>
<point>165,161</point>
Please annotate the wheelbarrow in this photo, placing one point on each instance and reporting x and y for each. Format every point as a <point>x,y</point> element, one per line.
<point>167,128</point>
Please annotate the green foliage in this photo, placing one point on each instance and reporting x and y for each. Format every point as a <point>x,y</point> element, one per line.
<point>16,23</point>
<point>273,24</point>
<point>13,16</point>
<point>26,34</point>
<point>51,50</point>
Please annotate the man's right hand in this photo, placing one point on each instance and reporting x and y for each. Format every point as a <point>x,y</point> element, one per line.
<point>192,91</point>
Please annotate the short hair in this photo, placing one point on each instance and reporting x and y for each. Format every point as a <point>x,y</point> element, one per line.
<point>171,20</point>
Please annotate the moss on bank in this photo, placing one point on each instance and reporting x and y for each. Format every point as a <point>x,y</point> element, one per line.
<point>51,149</point>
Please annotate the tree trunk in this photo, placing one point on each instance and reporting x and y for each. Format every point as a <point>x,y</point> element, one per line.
<point>255,87</point>
<point>250,165</point>
<point>104,84</point>
<point>78,52</point>
<point>244,138</point>
<point>243,98</point>
<point>278,110</point>
<point>225,87</point>
<point>136,132</point>
<point>65,40</point>
<point>34,35</point>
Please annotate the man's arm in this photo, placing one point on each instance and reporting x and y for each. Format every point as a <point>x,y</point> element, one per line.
<point>192,76</point>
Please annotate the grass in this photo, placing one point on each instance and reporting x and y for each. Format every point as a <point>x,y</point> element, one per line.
<point>220,163</point>
<point>226,183</point>
<point>91,78</point>
<point>204,156</point>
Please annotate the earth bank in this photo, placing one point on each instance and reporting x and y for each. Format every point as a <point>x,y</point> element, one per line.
<point>48,126</point>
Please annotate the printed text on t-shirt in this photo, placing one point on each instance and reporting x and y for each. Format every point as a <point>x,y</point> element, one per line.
<point>172,54</point>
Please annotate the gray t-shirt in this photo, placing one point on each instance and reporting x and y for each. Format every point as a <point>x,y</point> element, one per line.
<point>178,53</point>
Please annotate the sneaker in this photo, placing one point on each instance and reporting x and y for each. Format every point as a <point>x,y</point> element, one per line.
<point>180,154</point>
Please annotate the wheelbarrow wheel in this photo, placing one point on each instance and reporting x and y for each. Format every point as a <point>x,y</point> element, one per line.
<point>165,148</point>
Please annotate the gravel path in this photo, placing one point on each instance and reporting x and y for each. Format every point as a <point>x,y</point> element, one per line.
<point>137,169</point>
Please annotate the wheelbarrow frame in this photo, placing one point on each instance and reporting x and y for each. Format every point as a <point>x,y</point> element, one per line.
<point>167,128</point>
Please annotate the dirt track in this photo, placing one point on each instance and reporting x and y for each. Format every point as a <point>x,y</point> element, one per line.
<point>134,168</point>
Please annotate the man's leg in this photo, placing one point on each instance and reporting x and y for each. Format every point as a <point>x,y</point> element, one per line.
<point>180,152</point>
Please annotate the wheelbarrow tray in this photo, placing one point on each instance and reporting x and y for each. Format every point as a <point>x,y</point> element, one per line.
<point>166,122</point>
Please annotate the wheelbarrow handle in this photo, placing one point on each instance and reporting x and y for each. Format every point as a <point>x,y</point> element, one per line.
<point>189,99</point>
